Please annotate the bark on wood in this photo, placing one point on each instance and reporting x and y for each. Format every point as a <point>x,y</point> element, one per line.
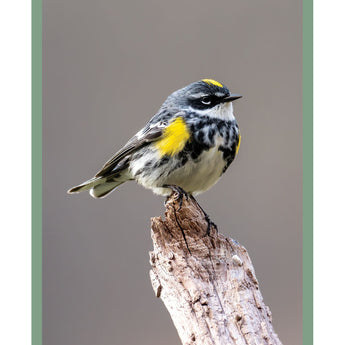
<point>209,287</point>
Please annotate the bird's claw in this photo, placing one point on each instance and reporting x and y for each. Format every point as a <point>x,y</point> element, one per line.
<point>180,193</point>
<point>210,224</point>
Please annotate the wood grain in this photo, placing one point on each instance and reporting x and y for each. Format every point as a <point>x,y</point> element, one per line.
<point>207,282</point>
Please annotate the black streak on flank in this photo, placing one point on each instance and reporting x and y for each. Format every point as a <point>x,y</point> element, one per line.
<point>211,134</point>
<point>200,136</point>
<point>228,154</point>
<point>195,148</point>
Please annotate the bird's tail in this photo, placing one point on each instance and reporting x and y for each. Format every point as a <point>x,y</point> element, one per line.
<point>99,187</point>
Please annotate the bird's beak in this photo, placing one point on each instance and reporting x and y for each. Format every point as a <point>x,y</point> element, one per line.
<point>232,97</point>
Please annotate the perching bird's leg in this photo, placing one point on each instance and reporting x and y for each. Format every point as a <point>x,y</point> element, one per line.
<point>180,193</point>
<point>207,218</point>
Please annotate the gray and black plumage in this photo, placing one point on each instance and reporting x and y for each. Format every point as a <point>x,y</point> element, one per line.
<point>189,143</point>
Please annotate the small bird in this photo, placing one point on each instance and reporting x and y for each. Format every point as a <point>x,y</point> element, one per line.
<point>185,147</point>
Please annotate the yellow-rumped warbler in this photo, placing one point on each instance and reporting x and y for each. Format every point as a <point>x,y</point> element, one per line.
<point>189,144</point>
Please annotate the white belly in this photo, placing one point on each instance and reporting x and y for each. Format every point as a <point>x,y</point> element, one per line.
<point>194,177</point>
<point>197,177</point>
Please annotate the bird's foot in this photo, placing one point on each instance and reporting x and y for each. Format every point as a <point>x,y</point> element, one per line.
<point>180,193</point>
<point>210,224</point>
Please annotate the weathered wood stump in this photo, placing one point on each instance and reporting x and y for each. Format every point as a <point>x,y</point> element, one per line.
<point>209,287</point>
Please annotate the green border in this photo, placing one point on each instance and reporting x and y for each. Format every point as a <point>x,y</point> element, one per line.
<point>36,170</point>
<point>307,172</point>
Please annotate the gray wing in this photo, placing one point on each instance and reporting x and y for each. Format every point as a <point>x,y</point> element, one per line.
<point>142,138</point>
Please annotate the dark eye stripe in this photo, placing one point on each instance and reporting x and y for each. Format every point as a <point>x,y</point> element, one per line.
<point>200,104</point>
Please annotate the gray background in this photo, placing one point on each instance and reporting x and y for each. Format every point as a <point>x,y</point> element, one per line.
<point>107,67</point>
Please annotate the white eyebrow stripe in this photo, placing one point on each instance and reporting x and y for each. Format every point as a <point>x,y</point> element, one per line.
<point>220,94</point>
<point>198,95</point>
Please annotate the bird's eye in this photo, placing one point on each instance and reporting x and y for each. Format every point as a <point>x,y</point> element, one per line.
<point>206,100</point>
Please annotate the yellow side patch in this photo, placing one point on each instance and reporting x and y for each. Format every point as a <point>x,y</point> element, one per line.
<point>212,82</point>
<point>174,138</point>
<point>239,142</point>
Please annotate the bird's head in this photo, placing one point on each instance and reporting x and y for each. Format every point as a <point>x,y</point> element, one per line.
<point>205,97</point>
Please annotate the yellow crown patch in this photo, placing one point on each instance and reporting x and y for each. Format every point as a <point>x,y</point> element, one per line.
<point>212,82</point>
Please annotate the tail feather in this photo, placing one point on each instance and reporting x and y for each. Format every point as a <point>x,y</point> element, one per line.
<point>102,190</point>
<point>99,187</point>
<point>87,185</point>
